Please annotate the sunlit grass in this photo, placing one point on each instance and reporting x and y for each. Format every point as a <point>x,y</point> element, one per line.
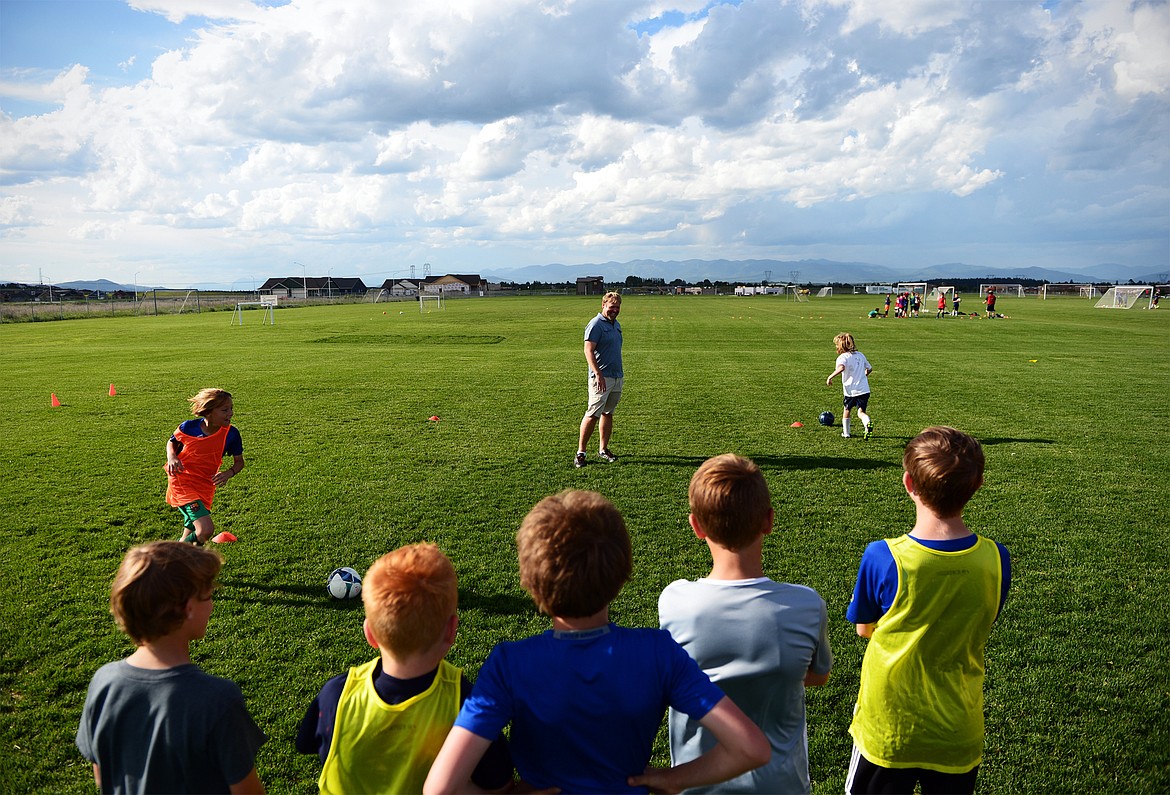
<point>344,465</point>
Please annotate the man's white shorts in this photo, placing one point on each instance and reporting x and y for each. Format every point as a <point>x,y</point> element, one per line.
<point>603,402</point>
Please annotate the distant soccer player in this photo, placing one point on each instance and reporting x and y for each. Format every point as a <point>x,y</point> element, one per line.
<point>942,304</point>
<point>926,601</point>
<point>195,453</point>
<point>854,370</point>
<point>991,302</point>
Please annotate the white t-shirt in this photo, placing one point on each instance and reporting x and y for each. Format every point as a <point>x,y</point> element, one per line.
<point>854,380</point>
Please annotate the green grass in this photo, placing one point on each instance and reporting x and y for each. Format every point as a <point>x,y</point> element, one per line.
<point>343,465</point>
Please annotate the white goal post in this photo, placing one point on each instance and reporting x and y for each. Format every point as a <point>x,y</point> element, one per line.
<point>825,292</point>
<point>1002,289</point>
<point>798,293</point>
<point>1068,291</point>
<point>1125,297</point>
<point>941,289</point>
<point>437,298</point>
<point>913,287</point>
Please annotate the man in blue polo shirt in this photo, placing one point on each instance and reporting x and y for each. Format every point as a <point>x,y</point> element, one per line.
<point>603,354</point>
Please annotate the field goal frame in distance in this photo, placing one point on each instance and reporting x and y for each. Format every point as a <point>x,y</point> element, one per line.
<point>267,302</point>
<point>922,288</point>
<point>424,297</point>
<point>798,293</point>
<point>825,292</point>
<point>1125,296</point>
<point>1069,290</point>
<point>1002,289</point>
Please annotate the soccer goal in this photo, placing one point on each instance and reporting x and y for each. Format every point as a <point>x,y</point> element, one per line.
<point>1002,289</point>
<point>941,290</point>
<point>435,298</point>
<point>1125,297</point>
<point>825,292</point>
<point>913,287</point>
<point>1068,291</point>
<point>798,293</point>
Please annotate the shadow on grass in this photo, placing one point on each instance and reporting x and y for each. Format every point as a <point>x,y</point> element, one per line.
<point>1007,440</point>
<point>821,462</point>
<point>268,593</point>
<point>496,603</point>
<point>765,460</point>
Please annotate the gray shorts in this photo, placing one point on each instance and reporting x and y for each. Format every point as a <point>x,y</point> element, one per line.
<point>603,402</point>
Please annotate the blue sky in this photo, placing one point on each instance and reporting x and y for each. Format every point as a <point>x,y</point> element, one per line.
<point>212,141</point>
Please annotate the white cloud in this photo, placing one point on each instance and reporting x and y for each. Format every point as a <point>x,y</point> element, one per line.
<point>554,128</point>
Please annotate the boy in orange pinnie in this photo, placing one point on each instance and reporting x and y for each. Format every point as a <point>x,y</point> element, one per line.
<point>194,455</point>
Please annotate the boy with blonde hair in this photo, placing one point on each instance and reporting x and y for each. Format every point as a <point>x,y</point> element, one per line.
<point>761,641</point>
<point>926,601</point>
<point>154,722</point>
<point>378,727</point>
<point>585,699</point>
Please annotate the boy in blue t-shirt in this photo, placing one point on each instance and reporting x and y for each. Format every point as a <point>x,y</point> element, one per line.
<point>585,699</point>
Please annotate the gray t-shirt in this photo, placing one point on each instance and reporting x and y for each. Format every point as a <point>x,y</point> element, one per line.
<point>176,730</point>
<point>756,639</point>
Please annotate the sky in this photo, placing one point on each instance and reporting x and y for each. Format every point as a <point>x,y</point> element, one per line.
<point>220,142</point>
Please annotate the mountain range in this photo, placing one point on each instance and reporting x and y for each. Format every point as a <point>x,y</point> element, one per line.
<point>755,271</point>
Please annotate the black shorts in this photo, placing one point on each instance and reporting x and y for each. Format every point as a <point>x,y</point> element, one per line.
<point>867,778</point>
<point>857,402</point>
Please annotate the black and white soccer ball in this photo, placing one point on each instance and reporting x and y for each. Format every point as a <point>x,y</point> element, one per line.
<point>826,418</point>
<point>344,583</point>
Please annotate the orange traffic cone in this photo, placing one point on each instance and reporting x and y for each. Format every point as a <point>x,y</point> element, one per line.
<point>53,400</point>
<point>113,391</point>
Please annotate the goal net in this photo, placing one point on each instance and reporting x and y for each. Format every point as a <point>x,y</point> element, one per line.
<point>913,287</point>
<point>948,290</point>
<point>797,293</point>
<point>1068,291</point>
<point>1125,297</point>
<point>825,292</point>
<point>1002,289</point>
<point>436,300</point>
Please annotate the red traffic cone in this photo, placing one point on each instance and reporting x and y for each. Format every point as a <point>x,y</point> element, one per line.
<point>113,391</point>
<point>433,419</point>
<point>53,400</point>
<point>797,424</point>
<point>225,538</point>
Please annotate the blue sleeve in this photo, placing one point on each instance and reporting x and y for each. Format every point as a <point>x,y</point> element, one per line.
<point>590,331</point>
<point>234,444</point>
<point>877,584</point>
<point>691,690</point>
<point>1005,561</point>
<point>489,708</point>
<point>315,734</point>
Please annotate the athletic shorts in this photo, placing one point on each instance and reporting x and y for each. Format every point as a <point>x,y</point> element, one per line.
<point>603,402</point>
<point>865,777</point>
<point>857,402</point>
<point>192,511</point>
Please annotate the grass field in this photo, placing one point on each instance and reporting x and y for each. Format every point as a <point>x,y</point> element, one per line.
<point>1071,404</point>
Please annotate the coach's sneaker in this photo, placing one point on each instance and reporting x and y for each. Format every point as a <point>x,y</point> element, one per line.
<point>846,436</point>
<point>607,456</point>
<point>579,460</point>
<point>868,430</point>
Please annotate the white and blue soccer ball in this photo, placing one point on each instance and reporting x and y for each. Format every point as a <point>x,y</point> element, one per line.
<point>344,583</point>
